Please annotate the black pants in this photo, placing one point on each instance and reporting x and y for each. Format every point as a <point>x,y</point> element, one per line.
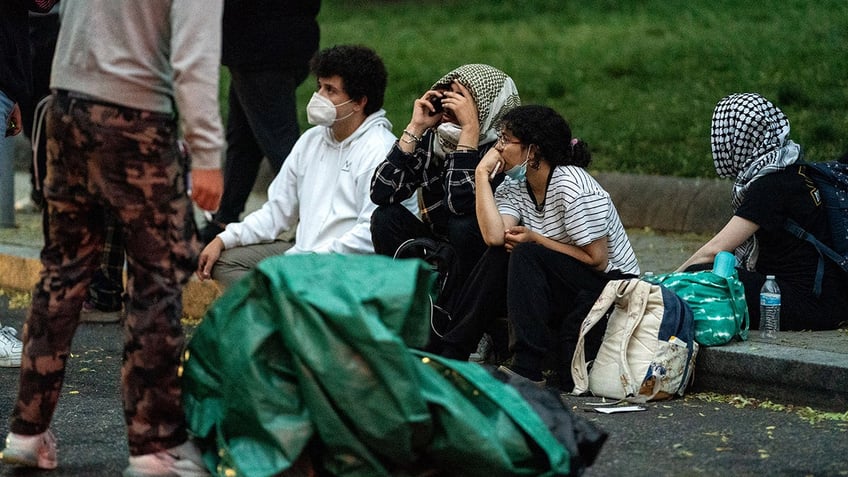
<point>391,225</point>
<point>800,309</point>
<point>262,123</point>
<point>545,295</point>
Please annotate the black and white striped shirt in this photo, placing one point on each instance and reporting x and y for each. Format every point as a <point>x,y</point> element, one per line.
<point>576,211</point>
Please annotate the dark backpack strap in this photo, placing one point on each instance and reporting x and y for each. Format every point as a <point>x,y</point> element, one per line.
<point>823,250</point>
<point>442,260</point>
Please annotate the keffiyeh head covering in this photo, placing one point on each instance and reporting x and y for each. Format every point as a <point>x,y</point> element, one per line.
<point>494,94</point>
<point>749,138</point>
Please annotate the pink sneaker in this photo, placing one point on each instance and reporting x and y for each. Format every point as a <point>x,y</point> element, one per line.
<point>183,460</point>
<point>31,451</point>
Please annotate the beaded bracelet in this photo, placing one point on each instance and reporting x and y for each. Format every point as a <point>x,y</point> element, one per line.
<point>415,139</point>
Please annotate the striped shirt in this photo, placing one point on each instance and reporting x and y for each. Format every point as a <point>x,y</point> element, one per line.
<point>576,211</point>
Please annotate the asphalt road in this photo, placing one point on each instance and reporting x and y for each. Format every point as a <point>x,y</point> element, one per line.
<point>682,437</point>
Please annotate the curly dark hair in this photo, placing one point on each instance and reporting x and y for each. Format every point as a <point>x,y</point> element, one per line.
<point>361,69</point>
<point>550,132</point>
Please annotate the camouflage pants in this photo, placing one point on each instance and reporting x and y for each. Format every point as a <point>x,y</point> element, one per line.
<point>126,161</point>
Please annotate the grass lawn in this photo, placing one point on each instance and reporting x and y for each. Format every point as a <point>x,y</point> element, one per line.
<point>637,80</point>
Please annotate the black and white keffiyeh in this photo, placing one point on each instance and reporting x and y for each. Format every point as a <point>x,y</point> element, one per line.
<point>749,138</point>
<point>494,94</point>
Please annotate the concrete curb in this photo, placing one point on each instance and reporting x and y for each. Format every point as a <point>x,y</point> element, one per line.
<point>802,368</point>
<point>669,204</point>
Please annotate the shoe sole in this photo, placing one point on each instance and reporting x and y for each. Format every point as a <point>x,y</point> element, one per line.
<point>26,461</point>
<point>10,362</point>
<point>101,317</point>
<point>97,316</point>
<point>542,384</point>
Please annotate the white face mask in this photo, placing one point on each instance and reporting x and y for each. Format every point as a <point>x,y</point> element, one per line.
<point>322,112</point>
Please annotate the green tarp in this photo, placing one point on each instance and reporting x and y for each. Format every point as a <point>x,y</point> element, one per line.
<point>316,349</point>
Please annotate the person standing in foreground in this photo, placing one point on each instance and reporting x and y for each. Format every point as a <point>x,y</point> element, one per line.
<point>322,188</point>
<point>15,89</point>
<point>555,239</point>
<point>750,144</point>
<point>266,48</point>
<point>121,72</point>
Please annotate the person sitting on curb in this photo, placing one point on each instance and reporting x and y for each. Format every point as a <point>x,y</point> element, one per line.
<point>322,188</point>
<point>555,239</point>
<point>750,144</point>
<point>451,128</point>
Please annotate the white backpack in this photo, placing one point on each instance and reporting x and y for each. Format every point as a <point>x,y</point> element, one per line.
<point>648,350</point>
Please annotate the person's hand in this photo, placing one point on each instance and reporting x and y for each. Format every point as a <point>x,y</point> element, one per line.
<point>461,107</point>
<point>14,125</point>
<point>210,254</point>
<point>516,235</point>
<point>490,165</point>
<point>424,114</point>
<point>207,185</point>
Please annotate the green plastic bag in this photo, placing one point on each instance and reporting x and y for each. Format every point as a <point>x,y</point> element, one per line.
<point>718,304</point>
<point>313,352</point>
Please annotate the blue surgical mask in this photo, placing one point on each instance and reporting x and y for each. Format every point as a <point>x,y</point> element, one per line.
<point>519,171</point>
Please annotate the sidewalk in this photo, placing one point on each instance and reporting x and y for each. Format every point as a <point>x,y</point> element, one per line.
<point>667,219</point>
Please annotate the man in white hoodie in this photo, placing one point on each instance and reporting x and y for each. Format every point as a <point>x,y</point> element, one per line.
<point>323,186</point>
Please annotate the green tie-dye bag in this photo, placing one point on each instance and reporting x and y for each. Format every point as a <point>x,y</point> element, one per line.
<point>717,302</point>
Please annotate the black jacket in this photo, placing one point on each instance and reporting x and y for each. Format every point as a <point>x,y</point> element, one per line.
<point>260,34</point>
<point>15,74</point>
<point>15,68</point>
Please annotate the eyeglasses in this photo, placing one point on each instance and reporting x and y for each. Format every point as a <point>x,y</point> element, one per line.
<point>502,141</point>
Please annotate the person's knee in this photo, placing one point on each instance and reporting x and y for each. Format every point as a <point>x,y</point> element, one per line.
<point>379,219</point>
<point>527,252</point>
<point>385,216</point>
<point>226,272</point>
<point>388,228</point>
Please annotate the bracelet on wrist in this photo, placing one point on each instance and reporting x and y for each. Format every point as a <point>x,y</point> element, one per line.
<point>412,137</point>
<point>466,147</point>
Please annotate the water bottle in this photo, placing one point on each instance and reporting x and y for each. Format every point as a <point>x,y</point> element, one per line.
<point>769,308</point>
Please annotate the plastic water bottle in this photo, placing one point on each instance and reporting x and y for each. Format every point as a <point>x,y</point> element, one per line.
<point>769,308</point>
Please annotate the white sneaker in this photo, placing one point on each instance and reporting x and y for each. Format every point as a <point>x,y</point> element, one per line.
<point>26,206</point>
<point>183,460</point>
<point>10,348</point>
<point>31,451</point>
